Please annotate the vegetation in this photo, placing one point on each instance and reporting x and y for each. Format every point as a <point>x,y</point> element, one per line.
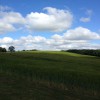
<point>11,49</point>
<point>3,49</point>
<point>31,50</point>
<point>37,75</point>
<point>85,52</point>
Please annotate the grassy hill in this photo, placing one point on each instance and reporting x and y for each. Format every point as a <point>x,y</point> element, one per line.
<point>44,75</point>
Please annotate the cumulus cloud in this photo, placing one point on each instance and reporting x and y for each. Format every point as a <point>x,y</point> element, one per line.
<point>78,38</point>
<point>51,20</point>
<point>6,40</point>
<point>10,21</point>
<point>29,42</point>
<point>6,27</point>
<point>31,39</point>
<point>12,18</point>
<point>81,33</point>
<point>54,20</point>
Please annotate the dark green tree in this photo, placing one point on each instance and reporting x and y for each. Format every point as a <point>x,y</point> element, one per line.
<point>11,49</point>
<point>3,49</point>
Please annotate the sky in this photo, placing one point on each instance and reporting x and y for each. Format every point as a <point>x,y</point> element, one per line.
<point>50,24</point>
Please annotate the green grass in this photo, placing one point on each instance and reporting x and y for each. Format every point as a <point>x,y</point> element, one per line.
<point>46,75</point>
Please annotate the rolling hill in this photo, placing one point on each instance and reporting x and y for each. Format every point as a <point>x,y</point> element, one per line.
<point>49,75</point>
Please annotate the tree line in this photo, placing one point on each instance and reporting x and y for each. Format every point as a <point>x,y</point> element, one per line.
<point>3,49</point>
<point>85,52</point>
<point>10,49</point>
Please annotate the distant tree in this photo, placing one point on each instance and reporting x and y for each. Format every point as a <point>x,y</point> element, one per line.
<point>11,49</point>
<point>23,50</point>
<point>3,49</point>
<point>34,50</point>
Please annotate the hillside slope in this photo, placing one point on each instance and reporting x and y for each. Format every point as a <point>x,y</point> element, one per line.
<point>49,76</point>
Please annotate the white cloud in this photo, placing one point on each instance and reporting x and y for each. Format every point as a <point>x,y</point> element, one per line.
<point>83,19</point>
<point>12,18</point>
<point>81,33</point>
<point>78,38</point>
<point>6,40</point>
<point>6,27</point>
<point>31,39</point>
<point>54,20</point>
<point>89,15</point>
<point>10,21</point>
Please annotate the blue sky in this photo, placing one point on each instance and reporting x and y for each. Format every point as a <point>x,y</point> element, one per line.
<point>50,24</point>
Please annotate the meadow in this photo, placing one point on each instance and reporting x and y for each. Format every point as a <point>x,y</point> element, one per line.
<point>49,75</point>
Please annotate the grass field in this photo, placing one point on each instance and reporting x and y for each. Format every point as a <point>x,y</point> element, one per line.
<point>46,75</point>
